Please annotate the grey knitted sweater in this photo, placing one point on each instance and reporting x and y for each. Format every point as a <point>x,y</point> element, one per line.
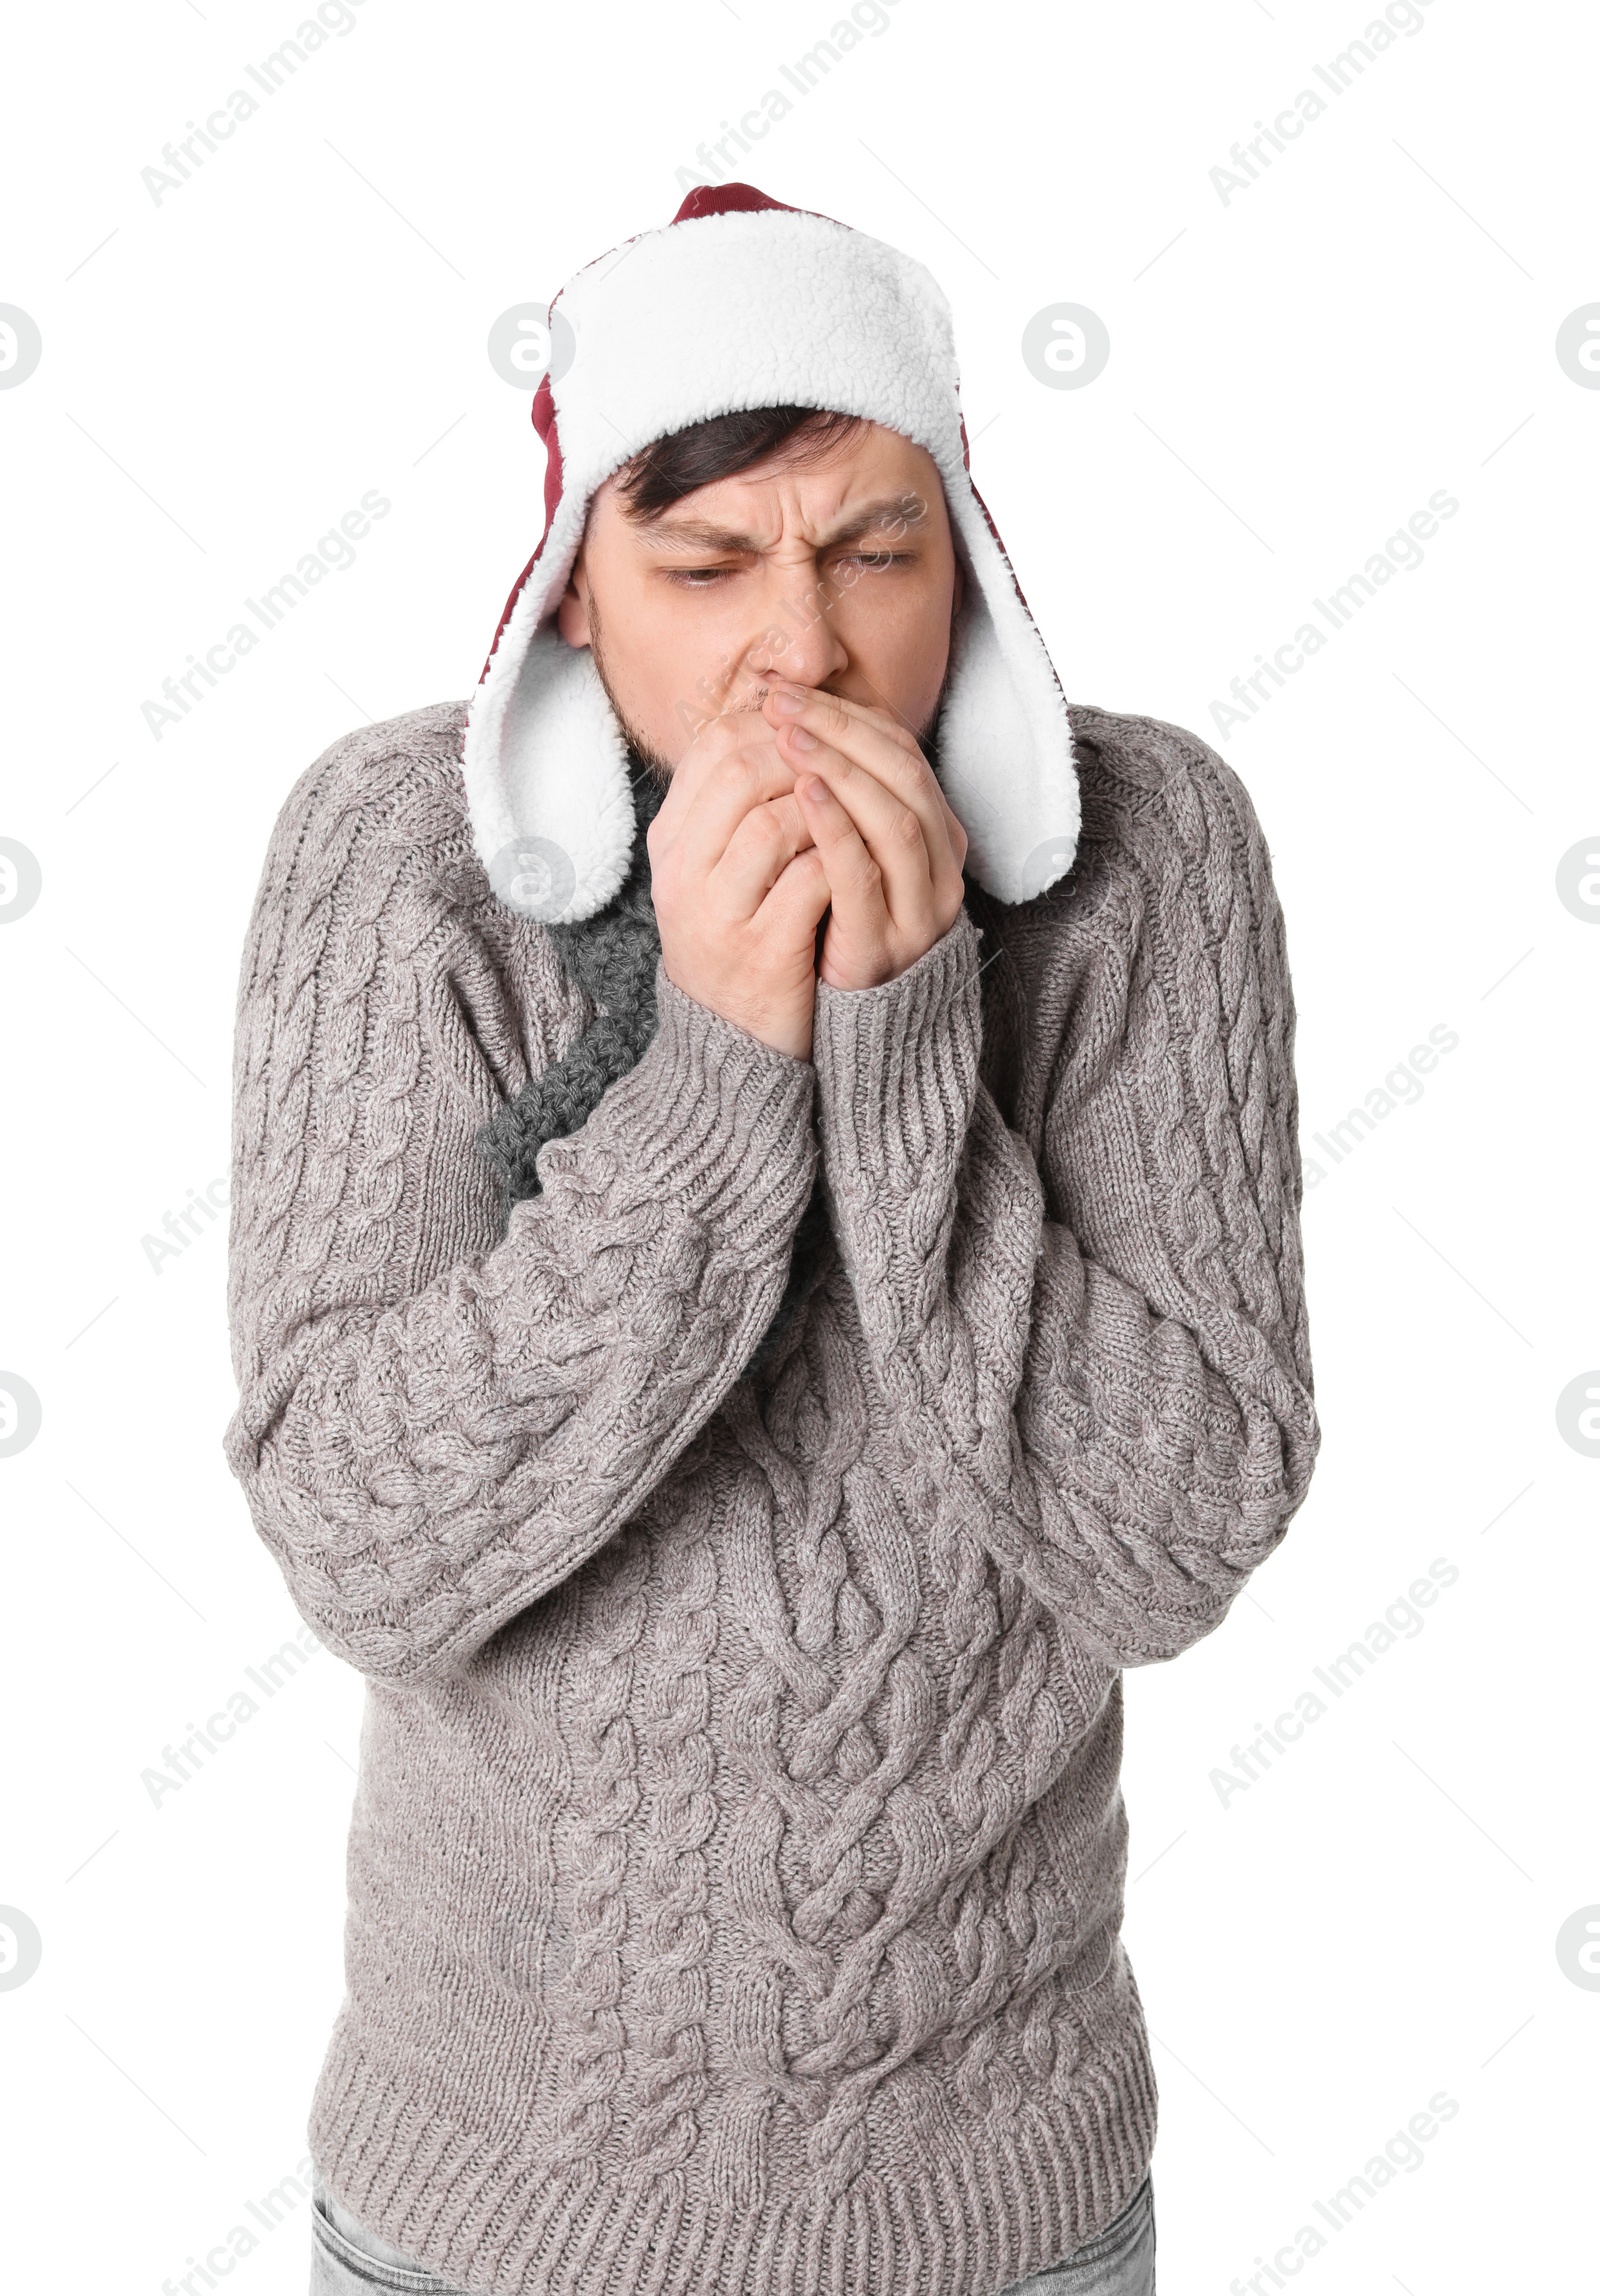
<point>735,1870</point>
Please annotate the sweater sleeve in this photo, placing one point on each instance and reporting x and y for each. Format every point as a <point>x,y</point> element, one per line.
<point>441,1417</point>
<point>1096,1352</point>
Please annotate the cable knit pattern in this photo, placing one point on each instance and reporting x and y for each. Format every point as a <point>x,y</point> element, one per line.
<point>736,1864</point>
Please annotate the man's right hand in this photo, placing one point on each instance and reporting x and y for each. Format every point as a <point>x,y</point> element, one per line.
<point>738,883</point>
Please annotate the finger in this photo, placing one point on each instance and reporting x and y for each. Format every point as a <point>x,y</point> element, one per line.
<point>718,738</point>
<point>878,743</point>
<point>889,832</point>
<point>937,815</point>
<point>861,931</point>
<point>854,875</point>
<point>700,813</point>
<point>799,900</point>
<point>761,847</point>
<point>787,704</point>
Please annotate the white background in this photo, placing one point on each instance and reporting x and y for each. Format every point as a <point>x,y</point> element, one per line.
<point>1293,372</point>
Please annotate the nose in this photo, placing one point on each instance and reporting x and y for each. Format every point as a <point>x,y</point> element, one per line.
<point>799,634</point>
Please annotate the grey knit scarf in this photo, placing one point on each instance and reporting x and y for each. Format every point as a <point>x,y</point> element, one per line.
<point>612,957</point>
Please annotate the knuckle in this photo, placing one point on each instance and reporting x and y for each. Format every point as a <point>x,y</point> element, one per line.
<point>736,771</point>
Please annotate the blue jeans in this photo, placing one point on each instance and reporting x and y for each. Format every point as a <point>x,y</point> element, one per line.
<point>347,2260</point>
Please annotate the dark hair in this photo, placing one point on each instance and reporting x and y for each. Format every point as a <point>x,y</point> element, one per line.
<point>723,446</point>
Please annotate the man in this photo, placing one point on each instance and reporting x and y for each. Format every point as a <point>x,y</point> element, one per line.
<point>765,1270</point>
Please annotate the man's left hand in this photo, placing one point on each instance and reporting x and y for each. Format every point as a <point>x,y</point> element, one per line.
<point>889,842</point>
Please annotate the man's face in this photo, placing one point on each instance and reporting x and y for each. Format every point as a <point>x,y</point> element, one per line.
<point>838,572</point>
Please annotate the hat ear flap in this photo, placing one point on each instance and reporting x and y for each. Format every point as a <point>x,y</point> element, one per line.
<point>548,749</point>
<point>1005,744</point>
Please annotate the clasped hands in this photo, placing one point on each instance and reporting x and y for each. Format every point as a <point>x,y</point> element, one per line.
<point>812,807</point>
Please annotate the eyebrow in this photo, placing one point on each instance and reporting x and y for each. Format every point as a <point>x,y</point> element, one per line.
<point>699,534</point>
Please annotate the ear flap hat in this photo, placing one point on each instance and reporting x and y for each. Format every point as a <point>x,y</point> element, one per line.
<point>742,302</point>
